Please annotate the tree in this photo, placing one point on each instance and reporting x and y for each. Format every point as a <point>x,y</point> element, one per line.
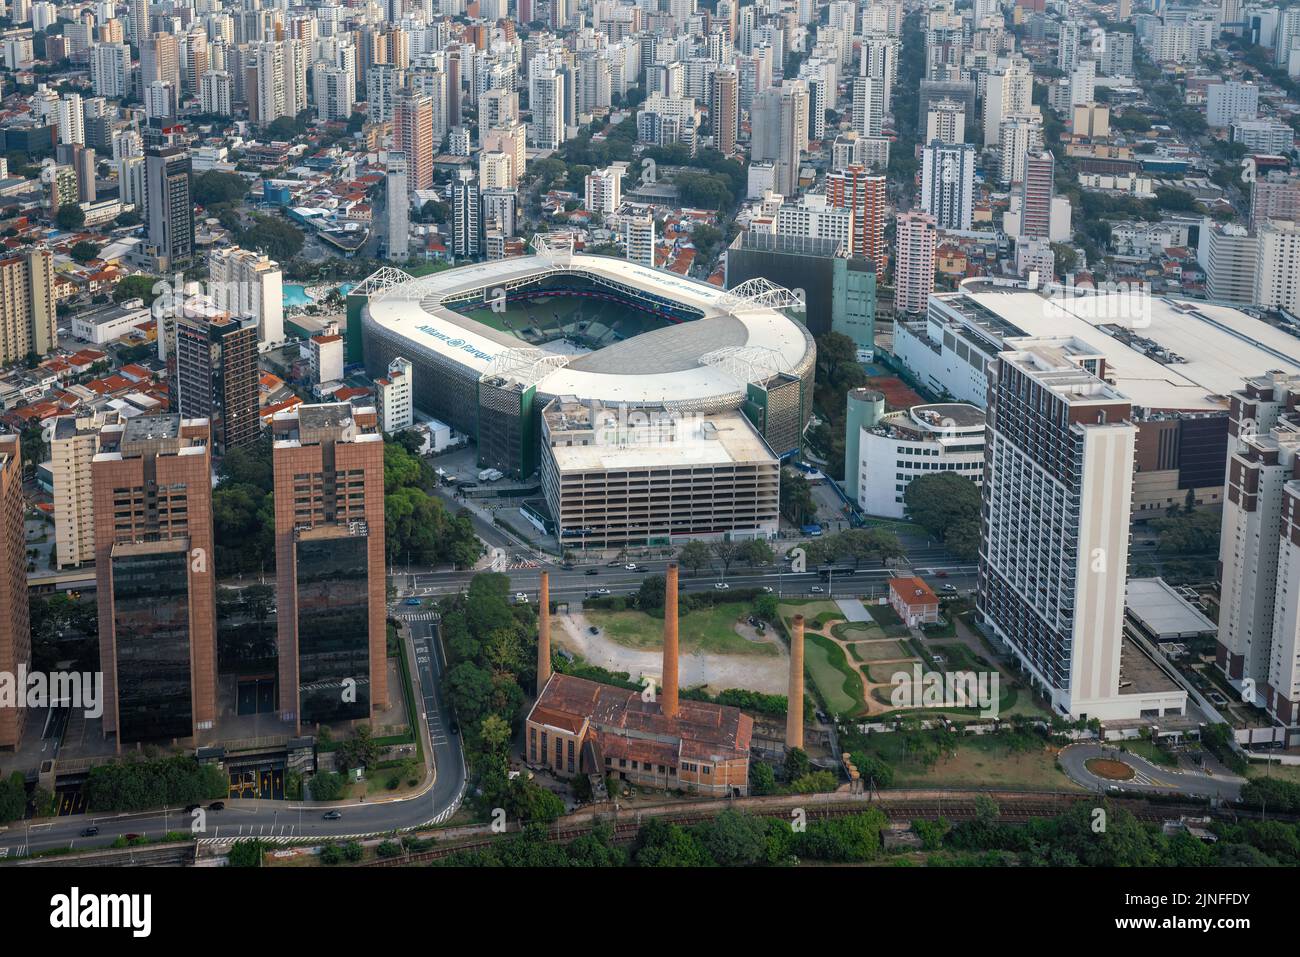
<point>726,552</point>
<point>796,764</point>
<point>797,503</point>
<point>84,252</point>
<point>246,854</point>
<point>70,217</point>
<point>946,505</point>
<point>694,555</point>
<point>756,552</point>
<point>214,187</point>
<point>650,596</point>
<point>834,349</point>
<point>136,287</point>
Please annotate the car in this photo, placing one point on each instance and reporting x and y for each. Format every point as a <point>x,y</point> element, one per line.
<point>568,566</point>
<point>412,601</point>
<point>950,589</point>
<point>602,591</point>
<point>521,598</point>
<point>941,574</point>
<point>767,589</point>
<point>454,728</point>
<point>332,815</point>
<point>817,590</point>
<point>630,566</point>
<point>721,586</point>
<point>592,571</point>
<point>89,831</point>
<point>594,630</point>
<point>217,806</point>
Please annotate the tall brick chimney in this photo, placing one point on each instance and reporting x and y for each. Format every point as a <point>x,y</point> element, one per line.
<point>544,632</point>
<point>794,696</point>
<point>670,643</point>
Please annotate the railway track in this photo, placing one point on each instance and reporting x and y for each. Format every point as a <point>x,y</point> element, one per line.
<point>1012,809</point>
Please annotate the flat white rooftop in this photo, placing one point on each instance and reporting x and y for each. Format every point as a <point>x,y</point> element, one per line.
<point>733,441</point>
<point>1219,346</point>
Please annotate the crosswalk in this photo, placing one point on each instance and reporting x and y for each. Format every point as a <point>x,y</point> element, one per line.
<point>419,616</point>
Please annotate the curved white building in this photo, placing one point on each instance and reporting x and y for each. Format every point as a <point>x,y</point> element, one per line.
<point>909,443</point>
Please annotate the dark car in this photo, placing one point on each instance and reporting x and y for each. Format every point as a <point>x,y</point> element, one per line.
<point>217,806</point>
<point>89,831</point>
<point>454,728</point>
<point>130,837</point>
<point>593,571</point>
<point>333,815</point>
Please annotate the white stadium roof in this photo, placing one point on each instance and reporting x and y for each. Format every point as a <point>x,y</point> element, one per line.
<point>736,340</point>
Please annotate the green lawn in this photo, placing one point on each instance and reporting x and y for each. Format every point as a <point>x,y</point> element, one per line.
<point>810,608</point>
<point>882,650</point>
<point>1152,752</point>
<point>980,761</point>
<point>705,630</point>
<point>857,631</point>
<point>834,677</point>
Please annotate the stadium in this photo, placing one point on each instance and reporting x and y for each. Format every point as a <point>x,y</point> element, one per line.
<point>493,344</point>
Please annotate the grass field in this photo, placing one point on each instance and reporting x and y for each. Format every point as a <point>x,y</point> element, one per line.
<point>706,630</point>
<point>811,609</point>
<point>980,761</point>
<point>840,688</point>
<point>857,631</point>
<point>881,651</point>
<point>575,316</point>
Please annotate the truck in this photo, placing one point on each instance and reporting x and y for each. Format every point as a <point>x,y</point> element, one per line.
<point>490,475</point>
<point>812,530</point>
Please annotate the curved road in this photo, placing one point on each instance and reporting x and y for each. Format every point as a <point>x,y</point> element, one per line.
<point>1148,778</point>
<point>283,820</point>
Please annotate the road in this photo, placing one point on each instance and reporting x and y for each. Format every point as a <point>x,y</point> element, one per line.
<point>1148,778</point>
<point>284,821</point>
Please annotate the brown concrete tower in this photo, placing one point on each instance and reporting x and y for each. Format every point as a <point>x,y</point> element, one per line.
<point>670,643</point>
<point>544,632</point>
<point>794,697</point>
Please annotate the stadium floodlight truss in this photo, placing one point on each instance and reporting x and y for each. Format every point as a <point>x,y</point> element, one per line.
<point>760,293</point>
<point>557,247</point>
<point>748,363</point>
<point>386,277</point>
<point>527,366</point>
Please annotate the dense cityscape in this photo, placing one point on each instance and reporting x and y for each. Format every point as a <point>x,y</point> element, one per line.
<point>635,433</point>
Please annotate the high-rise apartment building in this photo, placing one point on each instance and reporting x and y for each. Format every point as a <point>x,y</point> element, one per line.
<point>155,576</point>
<point>1259,558</point>
<point>74,442</point>
<point>328,462</point>
<point>170,209</point>
<point>249,285</point>
<point>413,135</point>
<point>946,122</point>
<point>948,184</point>
<point>917,236</point>
<point>214,373</point>
<point>15,628</point>
<point>395,402</point>
<point>27,316</point>
<point>1036,192</point>
<point>724,110</point>
<point>397,206</point>
<point>856,188</point>
<point>1058,484</point>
